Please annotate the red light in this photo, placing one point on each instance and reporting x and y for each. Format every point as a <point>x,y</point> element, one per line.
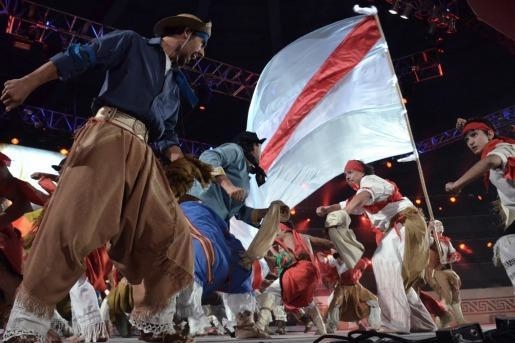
<point>465,248</point>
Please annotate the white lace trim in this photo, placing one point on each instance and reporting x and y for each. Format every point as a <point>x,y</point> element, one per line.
<point>60,325</point>
<point>93,332</point>
<point>237,303</point>
<point>157,323</point>
<point>189,301</point>
<point>25,323</point>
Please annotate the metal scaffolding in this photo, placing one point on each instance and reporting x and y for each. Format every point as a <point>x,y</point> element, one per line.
<point>42,118</point>
<point>499,119</point>
<point>30,21</point>
<point>48,119</point>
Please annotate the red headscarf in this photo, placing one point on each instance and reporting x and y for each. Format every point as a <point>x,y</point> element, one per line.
<point>510,166</point>
<point>354,165</point>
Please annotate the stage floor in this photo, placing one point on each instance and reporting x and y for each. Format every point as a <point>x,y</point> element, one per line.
<point>292,337</point>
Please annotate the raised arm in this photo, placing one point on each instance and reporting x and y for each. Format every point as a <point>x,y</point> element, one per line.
<point>17,90</point>
<point>475,172</point>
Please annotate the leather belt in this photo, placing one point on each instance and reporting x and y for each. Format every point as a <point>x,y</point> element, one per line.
<point>123,120</point>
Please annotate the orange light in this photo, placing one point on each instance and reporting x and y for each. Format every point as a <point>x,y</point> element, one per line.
<point>15,141</point>
<point>464,248</point>
<point>389,164</point>
<point>404,101</point>
<point>63,151</point>
<point>202,107</point>
<point>452,199</point>
<point>292,211</point>
<point>418,201</point>
<point>489,244</point>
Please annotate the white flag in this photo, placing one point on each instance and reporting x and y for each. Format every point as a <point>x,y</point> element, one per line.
<point>328,97</point>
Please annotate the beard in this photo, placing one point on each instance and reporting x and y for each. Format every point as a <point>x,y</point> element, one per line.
<point>182,60</point>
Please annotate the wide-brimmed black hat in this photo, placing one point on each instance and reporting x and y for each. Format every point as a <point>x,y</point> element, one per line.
<point>249,137</point>
<point>182,20</point>
<point>58,167</point>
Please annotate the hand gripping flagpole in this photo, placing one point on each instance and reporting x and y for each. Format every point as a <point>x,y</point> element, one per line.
<point>373,11</point>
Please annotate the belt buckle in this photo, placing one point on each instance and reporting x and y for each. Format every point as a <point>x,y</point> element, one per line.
<point>138,127</point>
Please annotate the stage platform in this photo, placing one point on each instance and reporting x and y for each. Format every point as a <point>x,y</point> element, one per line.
<point>293,337</point>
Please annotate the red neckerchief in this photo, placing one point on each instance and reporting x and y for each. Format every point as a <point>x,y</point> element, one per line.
<point>379,205</point>
<point>509,172</point>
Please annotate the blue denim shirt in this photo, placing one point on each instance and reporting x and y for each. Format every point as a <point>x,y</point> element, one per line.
<point>135,79</point>
<point>230,157</point>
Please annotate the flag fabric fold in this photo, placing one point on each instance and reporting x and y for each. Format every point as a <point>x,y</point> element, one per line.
<point>328,97</point>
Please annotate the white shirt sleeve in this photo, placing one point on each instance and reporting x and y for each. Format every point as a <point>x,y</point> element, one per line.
<point>378,188</point>
<point>504,151</point>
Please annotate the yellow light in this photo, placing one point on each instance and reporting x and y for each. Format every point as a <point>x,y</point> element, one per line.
<point>15,141</point>
<point>63,151</point>
<point>462,246</point>
<point>418,201</point>
<point>389,164</point>
<point>452,199</point>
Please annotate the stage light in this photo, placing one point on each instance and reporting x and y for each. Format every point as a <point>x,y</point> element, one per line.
<point>389,164</point>
<point>489,244</point>
<point>202,108</point>
<point>407,11</point>
<point>63,151</point>
<point>440,208</point>
<point>479,197</point>
<point>292,211</point>
<point>465,248</point>
<point>418,201</point>
<point>395,8</point>
<point>15,141</point>
<point>404,101</point>
<point>308,220</point>
<point>452,199</point>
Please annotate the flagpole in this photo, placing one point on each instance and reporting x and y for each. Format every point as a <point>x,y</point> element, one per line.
<point>419,166</point>
<point>417,159</point>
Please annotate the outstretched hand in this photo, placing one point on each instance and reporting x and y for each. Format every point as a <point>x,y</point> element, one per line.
<point>14,93</point>
<point>452,188</point>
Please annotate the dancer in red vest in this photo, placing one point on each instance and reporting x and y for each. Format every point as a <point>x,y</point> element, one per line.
<point>402,254</point>
<point>497,164</point>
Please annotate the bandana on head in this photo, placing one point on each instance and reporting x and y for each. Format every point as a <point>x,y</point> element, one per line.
<point>474,125</point>
<point>4,160</point>
<point>354,165</point>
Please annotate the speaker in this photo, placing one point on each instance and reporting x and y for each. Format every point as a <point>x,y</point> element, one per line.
<point>464,333</point>
<point>505,323</point>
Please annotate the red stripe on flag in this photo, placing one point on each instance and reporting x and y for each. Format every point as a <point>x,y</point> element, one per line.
<point>342,60</point>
